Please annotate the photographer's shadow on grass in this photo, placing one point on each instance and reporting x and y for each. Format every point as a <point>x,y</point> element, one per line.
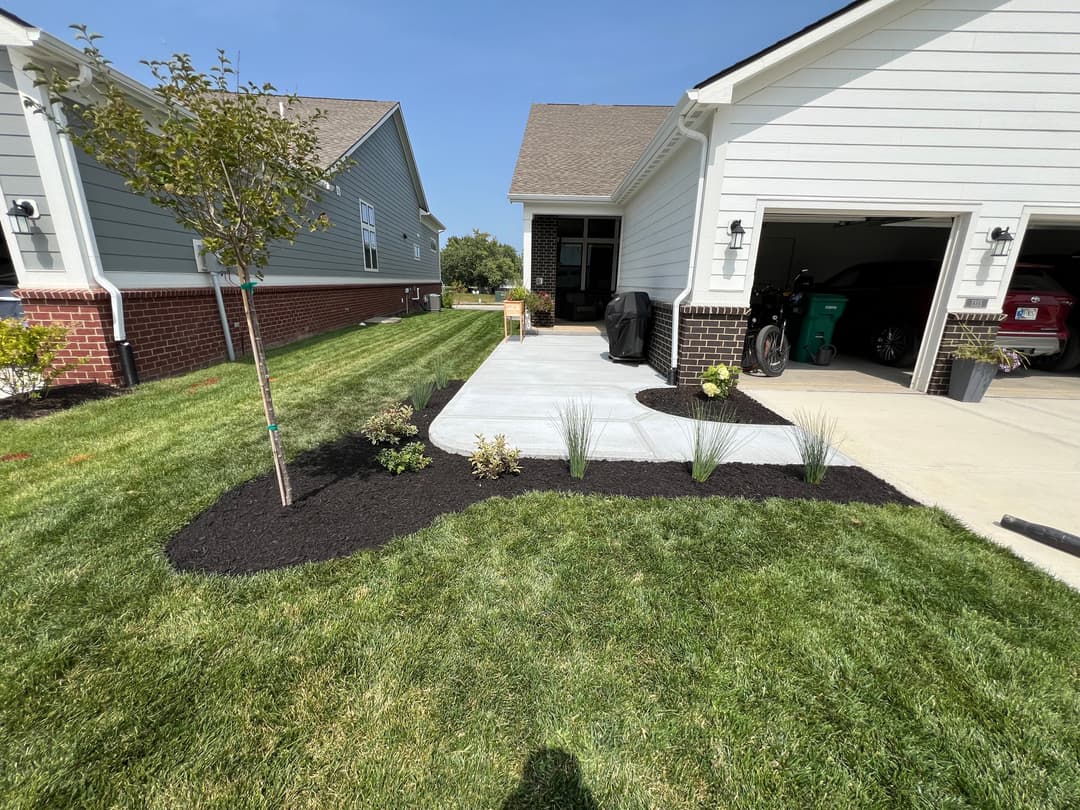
<point>550,780</point>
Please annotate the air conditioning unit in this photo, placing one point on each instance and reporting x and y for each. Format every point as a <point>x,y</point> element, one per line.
<point>434,302</point>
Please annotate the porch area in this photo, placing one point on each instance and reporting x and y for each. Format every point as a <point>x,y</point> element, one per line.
<point>520,388</point>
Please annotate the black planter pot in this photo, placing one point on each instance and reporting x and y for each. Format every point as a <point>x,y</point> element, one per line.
<point>969,379</point>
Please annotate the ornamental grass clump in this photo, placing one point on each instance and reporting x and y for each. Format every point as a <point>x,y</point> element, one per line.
<point>816,439</point>
<point>409,458</point>
<point>420,393</point>
<point>717,382</point>
<point>441,370</point>
<point>576,426</point>
<point>713,438</point>
<point>494,458</point>
<point>389,426</point>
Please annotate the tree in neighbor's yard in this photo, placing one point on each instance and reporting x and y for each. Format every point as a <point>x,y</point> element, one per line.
<point>479,260</point>
<point>236,165</point>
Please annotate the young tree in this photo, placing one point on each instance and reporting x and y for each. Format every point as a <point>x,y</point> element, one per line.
<point>230,164</point>
<point>479,260</point>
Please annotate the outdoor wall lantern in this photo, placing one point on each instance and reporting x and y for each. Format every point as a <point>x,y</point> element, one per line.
<point>1000,237</point>
<point>21,213</point>
<point>737,232</point>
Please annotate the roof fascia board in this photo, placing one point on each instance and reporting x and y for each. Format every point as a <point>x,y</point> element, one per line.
<point>560,198</point>
<point>13,34</point>
<point>431,220</point>
<point>722,90</point>
<point>414,170</point>
<point>668,130</point>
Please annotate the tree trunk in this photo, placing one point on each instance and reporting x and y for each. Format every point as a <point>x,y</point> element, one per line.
<point>247,292</point>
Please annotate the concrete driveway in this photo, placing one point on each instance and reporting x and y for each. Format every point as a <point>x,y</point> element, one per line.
<point>1017,452</point>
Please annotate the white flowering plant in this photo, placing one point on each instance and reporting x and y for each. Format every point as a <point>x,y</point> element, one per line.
<point>719,381</point>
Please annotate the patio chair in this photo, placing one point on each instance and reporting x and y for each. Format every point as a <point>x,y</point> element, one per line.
<point>512,310</point>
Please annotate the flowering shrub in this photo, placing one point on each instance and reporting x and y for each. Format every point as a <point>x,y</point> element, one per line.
<point>492,459</point>
<point>389,426</point>
<point>28,358</point>
<point>409,458</point>
<point>719,380</point>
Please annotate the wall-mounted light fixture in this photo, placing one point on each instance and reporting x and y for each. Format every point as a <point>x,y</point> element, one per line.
<point>1001,239</point>
<point>21,213</point>
<point>737,232</point>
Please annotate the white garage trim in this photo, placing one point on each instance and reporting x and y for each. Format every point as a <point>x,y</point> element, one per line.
<point>963,216</point>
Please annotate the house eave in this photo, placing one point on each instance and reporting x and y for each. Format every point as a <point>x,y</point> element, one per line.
<point>602,199</point>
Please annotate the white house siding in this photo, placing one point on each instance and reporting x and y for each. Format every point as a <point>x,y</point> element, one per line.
<point>657,227</point>
<point>959,104</point>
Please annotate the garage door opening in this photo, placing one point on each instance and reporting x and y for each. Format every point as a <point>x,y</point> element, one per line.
<point>882,270</point>
<point>1042,306</point>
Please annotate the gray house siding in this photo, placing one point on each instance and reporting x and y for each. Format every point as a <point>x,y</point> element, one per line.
<point>379,176</point>
<point>19,177</point>
<point>135,236</point>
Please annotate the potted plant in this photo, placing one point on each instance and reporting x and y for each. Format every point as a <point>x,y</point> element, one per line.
<point>975,363</point>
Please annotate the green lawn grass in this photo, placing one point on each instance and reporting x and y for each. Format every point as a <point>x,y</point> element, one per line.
<point>547,651</point>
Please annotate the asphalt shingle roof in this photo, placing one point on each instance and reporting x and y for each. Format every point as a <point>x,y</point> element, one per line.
<point>582,149</point>
<point>347,121</point>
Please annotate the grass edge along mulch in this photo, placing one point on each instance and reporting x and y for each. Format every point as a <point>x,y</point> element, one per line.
<point>346,502</point>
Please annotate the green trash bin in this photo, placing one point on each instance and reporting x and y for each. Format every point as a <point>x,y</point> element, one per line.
<point>822,313</point>
<point>500,296</point>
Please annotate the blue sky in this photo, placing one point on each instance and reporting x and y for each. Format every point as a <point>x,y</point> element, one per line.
<point>465,73</point>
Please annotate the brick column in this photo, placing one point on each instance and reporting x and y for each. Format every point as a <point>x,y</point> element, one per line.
<point>87,315</point>
<point>545,262</point>
<point>658,347</point>
<point>959,327</point>
<point>707,336</point>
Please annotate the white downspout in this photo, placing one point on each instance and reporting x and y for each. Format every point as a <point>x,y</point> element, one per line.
<point>86,229</point>
<point>694,135</point>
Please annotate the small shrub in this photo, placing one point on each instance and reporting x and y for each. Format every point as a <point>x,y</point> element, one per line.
<point>492,459</point>
<point>719,381</point>
<point>441,370</point>
<point>576,426</point>
<point>447,299</point>
<point>815,439</point>
<point>713,438</point>
<point>420,393</point>
<point>28,365</point>
<point>389,426</point>
<point>409,458</point>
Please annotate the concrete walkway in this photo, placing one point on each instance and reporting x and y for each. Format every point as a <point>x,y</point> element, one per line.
<point>1009,454</point>
<point>519,389</point>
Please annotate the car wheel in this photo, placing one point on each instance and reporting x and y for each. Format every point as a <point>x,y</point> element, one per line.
<point>1065,360</point>
<point>893,344</point>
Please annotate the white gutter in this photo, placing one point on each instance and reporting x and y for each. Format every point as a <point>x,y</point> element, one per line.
<point>693,135</point>
<point>86,228</point>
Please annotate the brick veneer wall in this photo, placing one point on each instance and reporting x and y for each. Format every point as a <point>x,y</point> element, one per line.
<point>707,335</point>
<point>177,330</point>
<point>545,262</point>
<point>658,350</point>
<point>959,326</point>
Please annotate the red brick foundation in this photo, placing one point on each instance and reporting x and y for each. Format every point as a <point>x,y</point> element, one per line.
<point>177,330</point>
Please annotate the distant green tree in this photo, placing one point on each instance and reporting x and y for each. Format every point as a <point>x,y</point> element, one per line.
<point>479,260</point>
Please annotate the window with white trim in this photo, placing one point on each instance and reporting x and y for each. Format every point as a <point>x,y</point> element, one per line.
<point>416,252</point>
<point>434,245</point>
<point>367,226</point>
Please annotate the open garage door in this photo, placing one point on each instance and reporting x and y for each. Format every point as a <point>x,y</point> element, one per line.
<point>1041,309</point>
<point>884,269</point>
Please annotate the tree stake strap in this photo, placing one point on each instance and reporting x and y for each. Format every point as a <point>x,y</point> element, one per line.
<point>248,285</point>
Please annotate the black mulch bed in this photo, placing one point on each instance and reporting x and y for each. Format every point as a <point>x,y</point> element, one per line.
<point>346,502</point>
<point>679,401</point>
<point>59,399</point>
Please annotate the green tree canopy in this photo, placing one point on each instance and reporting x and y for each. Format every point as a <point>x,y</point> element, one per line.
<point>479,260</point>
<point>233,162</point>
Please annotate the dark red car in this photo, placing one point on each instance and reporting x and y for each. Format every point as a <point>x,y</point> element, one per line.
<point>889,302</point>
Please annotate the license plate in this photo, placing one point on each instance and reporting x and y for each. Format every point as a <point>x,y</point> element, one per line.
<point>1027,313</point>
